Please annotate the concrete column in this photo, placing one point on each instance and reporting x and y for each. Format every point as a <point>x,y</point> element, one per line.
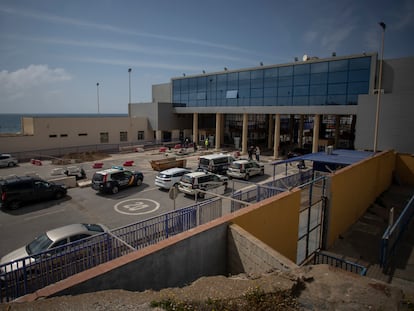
<point>337,125</point>
<point>300,131</point>
<point>195,127</point>
<point>244,133</point>
<point>270,132</point>
<point>276,143</point>
<point>315,143</point>
<point>158,135</point>
<point>218,130</point>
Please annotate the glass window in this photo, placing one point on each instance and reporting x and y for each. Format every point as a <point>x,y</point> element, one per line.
<point>360,63</point>
<point>222,78</point>
<point>232,84</point>
<point>269,101</point>
<point>270,73</point>
<point>301,69</point>
<point>232,76</point>
<point>192,96</point>
<point>192,84</point>
<point>301,79</point>
<point>201,95</point>
<point>244,84</point>
<point>244,93</point>
<point>201,83</point>
<point>285,71</point>
<point>318,89</point>
<point>285,81</point>
<point>319,78</point>
<point>232,102</point>
<point>317,100</point>
<point>284,91</point>
<point>270,82</point>
<point>338,65</point>
<point>256,83</point>
<point>284,101</point>
<point>270,92</point>
<point>184,85</point>
<point>176,85</point>
<point>123,136</point>
<point>176,98</point>
<point>232,94</point>
<point>358,88</point>
<point>352,100</point>
<point>256,93</point>
<point>339,88</point>
<point>319,67</point>
<point>258,101</point>
<point>300,100</point>
<point>140,135</point>
<point>104,137</point>
<point>300,90</point>
<point>338,77</point>
<point>336,100</point>
<point>244,75</point>
<point>184,98</point>
<point>257,74</point>
<point>212,82</point>
<point>359,75</point>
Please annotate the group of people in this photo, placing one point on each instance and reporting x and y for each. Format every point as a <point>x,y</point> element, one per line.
<point>254,151</point>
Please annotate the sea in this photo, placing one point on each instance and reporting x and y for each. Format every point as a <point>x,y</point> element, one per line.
<point>11,122</point>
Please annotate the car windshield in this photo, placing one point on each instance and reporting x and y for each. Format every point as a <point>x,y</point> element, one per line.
<point>235,165</point>
<point>187,179</point>
<point>38,245</point>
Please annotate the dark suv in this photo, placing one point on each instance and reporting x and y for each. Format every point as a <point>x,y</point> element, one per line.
<point>114,179</point>
<point>16,191</point>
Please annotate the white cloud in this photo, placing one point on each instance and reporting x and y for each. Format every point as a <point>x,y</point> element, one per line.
<point>16,83</point>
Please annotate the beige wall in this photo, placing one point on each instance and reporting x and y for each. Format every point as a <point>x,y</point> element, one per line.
<point>74,131</point>
<point>354,188</point>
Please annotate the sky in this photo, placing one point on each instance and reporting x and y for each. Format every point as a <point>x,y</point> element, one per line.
<point>53,53</point>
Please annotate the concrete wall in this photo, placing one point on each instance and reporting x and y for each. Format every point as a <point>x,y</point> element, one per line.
<point>247,254</point>
<point>273,219</point>
<point>404,169</point>
<point>354,188</point>
<point>55,132</point>
<point>396,110</point>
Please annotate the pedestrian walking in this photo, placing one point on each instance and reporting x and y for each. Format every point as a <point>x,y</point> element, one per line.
<point>257,153</point>
<point>250,152</point>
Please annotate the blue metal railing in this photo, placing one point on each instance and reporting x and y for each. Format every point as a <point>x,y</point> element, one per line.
<point>28,274</point>
<point>324,258</point>
<point>393,234</point>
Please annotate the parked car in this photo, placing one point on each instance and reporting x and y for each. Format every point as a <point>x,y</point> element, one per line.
<point>245,169</point>
<point>215,163</point>
<point>191,182</point>
<point>17,191</point>
<point>7,160</point>
<point>116,178</point>
<point>48,241</point>
<point>170,178</point>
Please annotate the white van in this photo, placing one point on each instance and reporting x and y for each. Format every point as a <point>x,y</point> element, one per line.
<point>216,163</point>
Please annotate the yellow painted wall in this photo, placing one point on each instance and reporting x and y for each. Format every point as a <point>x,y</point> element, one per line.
<point>404,168</point>
<point>275,222</point>
<point>354,188</point>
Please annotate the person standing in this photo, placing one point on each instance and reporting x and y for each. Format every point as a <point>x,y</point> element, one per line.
<point>257,153</point>
<point>206,142</point>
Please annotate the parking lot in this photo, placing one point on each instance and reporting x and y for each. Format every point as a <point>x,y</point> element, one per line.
<point>83,204</point>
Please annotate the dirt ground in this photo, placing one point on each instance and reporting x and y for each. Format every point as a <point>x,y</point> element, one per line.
<point>319,287</point>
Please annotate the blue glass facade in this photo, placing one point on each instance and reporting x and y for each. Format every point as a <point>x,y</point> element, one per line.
<point>331,82</point>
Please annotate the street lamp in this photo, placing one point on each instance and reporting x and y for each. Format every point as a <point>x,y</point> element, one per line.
<point>377,114</point>
<point>129,73</point>
<point>97,93</point>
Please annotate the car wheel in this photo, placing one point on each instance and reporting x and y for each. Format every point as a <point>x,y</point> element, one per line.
<point>115,189</point>
<point>246,177</point>
<point>139,182</point>
<point>201,195</point>
<point>262,172</point>
<point>10,164</point>
<point>58,195</point>
<point>15,204</point>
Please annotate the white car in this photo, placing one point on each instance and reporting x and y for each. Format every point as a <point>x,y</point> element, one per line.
<point>245,169</point>
<point>7,160</point>
<point>191,182</point>
<point>171,177</point>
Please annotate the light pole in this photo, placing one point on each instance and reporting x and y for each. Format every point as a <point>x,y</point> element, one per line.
<point>97,93</point>
<point>377,114</point>
<point>129,73</point>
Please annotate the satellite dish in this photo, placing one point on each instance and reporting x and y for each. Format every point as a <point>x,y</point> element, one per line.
<point>305,57</point>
